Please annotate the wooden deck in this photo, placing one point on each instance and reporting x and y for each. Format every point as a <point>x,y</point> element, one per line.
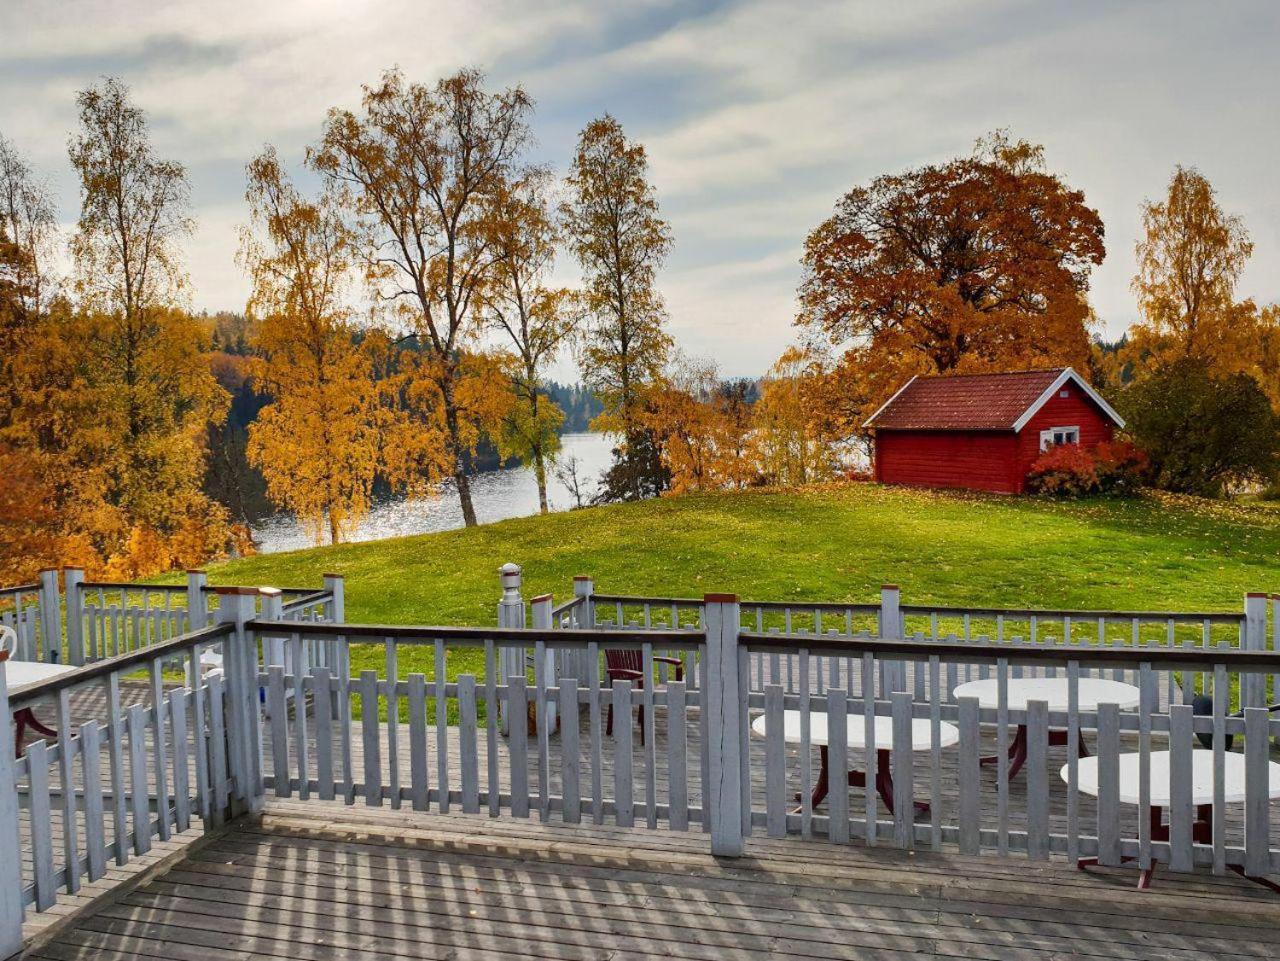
<point>322,881</point>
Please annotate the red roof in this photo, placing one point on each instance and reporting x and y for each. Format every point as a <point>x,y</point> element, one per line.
<point>965,402</point>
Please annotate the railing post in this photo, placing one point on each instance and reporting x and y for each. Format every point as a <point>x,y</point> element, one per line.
<point>334,584</point>
<point>336,648</point>
<point>72,578</point>
<point>10,839</point>
<point>584,586</point>
<point>240,667</point>
<point>540,617</point>
<point>891,627</point>
<point>1253,685</point>
<point>197,604</point>
<point>724,724</point>
<point>510,614</point>
<point>50,616</point>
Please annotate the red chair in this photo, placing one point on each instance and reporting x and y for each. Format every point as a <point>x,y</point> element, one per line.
<point>628,665</point>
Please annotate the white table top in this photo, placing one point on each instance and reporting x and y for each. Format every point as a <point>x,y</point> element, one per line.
<point>856,725</point>
<point>1201,778</point>
<point>21,673</point>
<point>1090,692</point>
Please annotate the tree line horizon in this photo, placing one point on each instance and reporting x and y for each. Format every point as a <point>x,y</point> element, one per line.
<point>403,318</point>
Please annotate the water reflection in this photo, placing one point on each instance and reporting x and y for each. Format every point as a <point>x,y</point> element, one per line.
<point>496,494</point>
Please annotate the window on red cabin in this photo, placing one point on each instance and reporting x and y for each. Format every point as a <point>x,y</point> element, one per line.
<point>1055,436</point>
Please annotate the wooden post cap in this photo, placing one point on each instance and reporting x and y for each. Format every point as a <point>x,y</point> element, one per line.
<point>719,598</point>
<point>582,577</point>
<point>230,590</point>
<point>541,599</point>
<point>335,576</point>
<point>889,587</point>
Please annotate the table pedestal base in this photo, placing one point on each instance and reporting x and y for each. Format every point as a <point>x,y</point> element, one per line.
<point>24,718</point>
<point>883,781</point>
<point>1201,833</point>
<point>1018,749</point>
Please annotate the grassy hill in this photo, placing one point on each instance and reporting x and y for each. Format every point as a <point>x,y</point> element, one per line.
<point>838,542</point>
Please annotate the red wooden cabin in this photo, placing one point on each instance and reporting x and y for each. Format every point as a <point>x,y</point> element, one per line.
<point>983,431</point>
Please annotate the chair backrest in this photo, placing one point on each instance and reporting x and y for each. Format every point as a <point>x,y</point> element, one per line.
<point>629,659</point>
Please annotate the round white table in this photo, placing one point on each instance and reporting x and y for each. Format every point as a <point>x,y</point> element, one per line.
<point>20,674</point>
<point>1161,791</point>
<point>855,735</point>
<point>1021,691</point>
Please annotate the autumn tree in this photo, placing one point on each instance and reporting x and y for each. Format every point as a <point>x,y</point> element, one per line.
<point>981,263</point>
<point>612,226</point>
<point>315,442</point>
<point>157,393</point>
<point>536,318</point>
<point>680,414</point>
<point>423,166</point>
<point>1190,259</point>
<point>793,441</point>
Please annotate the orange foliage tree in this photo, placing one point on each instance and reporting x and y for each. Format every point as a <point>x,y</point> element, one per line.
<point>315,442</point>
<point>1190,259</point>
<point>422,166</point>
<point>981,263</point>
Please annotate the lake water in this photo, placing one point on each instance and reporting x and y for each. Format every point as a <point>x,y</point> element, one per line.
<point>497,495</point>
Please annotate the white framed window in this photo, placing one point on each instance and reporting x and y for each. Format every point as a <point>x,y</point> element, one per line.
<point>1055,436</point>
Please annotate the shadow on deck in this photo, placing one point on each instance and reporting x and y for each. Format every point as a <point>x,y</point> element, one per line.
<point>322,881</point>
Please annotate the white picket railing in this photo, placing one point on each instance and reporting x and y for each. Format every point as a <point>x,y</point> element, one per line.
<point>525,732</point>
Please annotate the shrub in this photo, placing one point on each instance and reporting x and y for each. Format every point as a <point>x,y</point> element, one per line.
<point>1069,470</point>
<point>1204,435</point>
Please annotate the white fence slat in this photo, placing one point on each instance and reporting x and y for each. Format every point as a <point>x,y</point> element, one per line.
<point>518,744</point>
<point>1257,820</point>
<point>442,726</point>
<point>218,749</point>
<point>138,793</point>
<point>570,759</point>
<point>838,765</point>
<point>181,760</point>
<point>392,671</point>
<point>869,800</point>
<point>95,838</point>
<point>1221,698</point>
<point>1037,773</point>
<point>322,701</point>
<point>623,797</point>
<point>419,780</point>
<point>277,711</point>
<point>969,761</point>
<point>596,725</point>
<point>160,750</point>
<point>468,749</point>
<point>543,733</point>
<point>1108,784</point>
<point>902,766</point>
<point>1181,812</point>
<point>775,763</point>
<point>67,776</point>
<point>677,757</point>
<point>301,745</point>
<point>41,827</point>
<point>491,725</point>
<point>368,690</point>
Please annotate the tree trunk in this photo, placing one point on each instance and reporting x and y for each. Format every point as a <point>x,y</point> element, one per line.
<point>540,472</point>
<point>461,460</point>
<point>334,535</point>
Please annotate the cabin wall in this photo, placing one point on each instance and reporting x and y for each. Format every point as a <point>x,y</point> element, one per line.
<point>1074,410</point>
<point>976,460</point>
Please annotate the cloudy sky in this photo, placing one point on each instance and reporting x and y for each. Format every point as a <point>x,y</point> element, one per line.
<point>757,115</point>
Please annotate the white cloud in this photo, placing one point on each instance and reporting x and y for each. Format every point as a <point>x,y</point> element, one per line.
<point>757,116</point>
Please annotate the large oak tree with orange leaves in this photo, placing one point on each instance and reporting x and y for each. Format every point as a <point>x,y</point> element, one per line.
<point>981,263</point>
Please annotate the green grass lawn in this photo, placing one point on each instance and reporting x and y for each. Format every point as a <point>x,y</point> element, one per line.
<point>839,542</point>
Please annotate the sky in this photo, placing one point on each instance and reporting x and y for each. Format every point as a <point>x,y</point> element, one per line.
<point>757,116</point>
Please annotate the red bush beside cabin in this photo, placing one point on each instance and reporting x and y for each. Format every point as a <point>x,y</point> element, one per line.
<point>984,431</point>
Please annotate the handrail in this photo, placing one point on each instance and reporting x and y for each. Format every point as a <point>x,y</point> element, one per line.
<point>1160,658</point>
<point>1217,617</point>
<point>307,600</point>
<point>20,589</point>
<point>477,636</point>
<point>132,586</point>
<point>110,665</point>
<point>567,606</point>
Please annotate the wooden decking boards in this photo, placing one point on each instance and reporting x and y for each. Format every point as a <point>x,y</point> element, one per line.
<point>322,881</point>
